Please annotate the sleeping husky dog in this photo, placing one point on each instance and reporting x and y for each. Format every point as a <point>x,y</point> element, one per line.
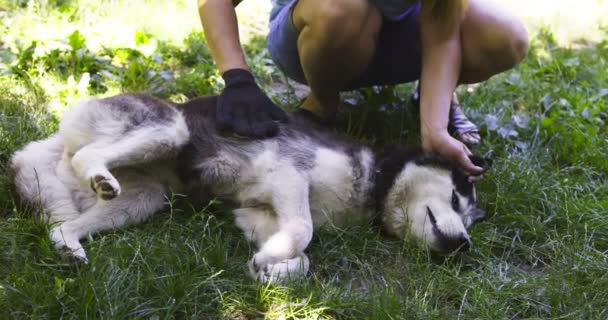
<point>115,160</point>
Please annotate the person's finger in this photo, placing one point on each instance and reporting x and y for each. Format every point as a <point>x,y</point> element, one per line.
<point>474,179</point>
<point>466,150</point>
<point>464,158</point>
<point>278,114</point>
<point>468,166</point>
<point>265,129</point>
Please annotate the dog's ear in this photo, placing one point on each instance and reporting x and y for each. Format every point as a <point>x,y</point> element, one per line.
<point>477,215</point>
<point>484,163</point>
<point>387,150</point>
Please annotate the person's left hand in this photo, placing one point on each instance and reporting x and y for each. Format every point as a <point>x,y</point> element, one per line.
<point>441,143</point>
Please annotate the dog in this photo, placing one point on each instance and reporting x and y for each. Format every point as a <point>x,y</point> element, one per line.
<point>115,160</point>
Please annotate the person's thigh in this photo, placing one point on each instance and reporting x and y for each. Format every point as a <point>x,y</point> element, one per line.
<point>493,39</point>
<point>396,59</point>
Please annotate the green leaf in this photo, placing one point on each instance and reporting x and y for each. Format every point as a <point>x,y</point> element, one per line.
<point>77,40</point>
<point>141,38</point>
<point>547,122</point>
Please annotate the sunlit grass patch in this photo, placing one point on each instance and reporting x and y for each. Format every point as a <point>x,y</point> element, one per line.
<point>570,21</point>
<point>104,23</point>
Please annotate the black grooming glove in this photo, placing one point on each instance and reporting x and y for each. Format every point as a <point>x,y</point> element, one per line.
<point>245,109</point>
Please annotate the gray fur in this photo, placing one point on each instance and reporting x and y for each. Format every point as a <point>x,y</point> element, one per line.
<point>114,161</point>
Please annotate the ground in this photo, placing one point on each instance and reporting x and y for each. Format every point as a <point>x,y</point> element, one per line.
<point>542,252</point>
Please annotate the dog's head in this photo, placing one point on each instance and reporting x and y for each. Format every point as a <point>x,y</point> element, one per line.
<point>428,199</point>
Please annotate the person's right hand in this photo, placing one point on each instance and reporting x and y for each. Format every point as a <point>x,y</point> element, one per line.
<point>245,109</point>
<point>441,143</point>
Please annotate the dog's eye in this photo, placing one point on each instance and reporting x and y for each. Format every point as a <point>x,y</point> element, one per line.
<point>455,202</point>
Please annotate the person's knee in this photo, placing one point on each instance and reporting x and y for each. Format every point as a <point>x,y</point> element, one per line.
<point>494,40</point>
<point>508,47</point>
<point>506,44</point>
<point>338,21</point>
<point>340,12</point>
<point>501,51</point>
<point>518,43</point>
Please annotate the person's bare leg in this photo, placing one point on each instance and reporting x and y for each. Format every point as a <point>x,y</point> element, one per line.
<point>336,43</point>
<point>493,40</point>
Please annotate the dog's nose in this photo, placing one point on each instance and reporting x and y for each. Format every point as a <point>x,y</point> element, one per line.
<point>464,243</point>
<point>460,243</point>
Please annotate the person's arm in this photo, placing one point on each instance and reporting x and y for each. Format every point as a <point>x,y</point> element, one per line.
<point>242,106</point>
<point>222,33</point>
<point>441,60</point>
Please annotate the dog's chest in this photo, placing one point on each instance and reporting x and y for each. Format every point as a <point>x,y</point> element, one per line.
<point>337,183</point>
<point>339,187</point>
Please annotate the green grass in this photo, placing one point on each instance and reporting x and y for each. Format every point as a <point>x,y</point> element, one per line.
<point>542,252</point>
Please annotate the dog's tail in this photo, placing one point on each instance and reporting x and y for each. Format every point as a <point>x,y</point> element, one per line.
<point>35,182</point>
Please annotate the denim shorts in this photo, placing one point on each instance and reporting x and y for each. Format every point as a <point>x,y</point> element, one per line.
<point>397,58</point>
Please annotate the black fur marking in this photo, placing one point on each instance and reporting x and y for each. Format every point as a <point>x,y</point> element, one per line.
<point>461,181</point>
<point>92,185</point>
<point>199,114</point>
<point>455,202</point>
<point>392,161</point>
<point>448,244</point>
<point>307,127</point>
<point>140,109</point>
<point>433,219</point>
<point>436,229</point>
<point>485,163</point>
<point>462,184</point>
<point>208,140</point>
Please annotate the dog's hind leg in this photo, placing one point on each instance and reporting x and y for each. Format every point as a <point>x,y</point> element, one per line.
<point>142,197</point>
<point>93,162</point>
<point>41,180</point>
<point>282,251</point>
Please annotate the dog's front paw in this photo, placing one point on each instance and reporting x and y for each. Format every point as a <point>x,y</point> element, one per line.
<point>106,187</point>
<point>68,246</point>
<point>280,271</point>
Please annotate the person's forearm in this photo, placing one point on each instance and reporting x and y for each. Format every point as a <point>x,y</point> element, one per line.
<point>222,34</point>
<point>441,62</point>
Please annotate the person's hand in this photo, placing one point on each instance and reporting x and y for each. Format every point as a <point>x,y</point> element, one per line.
<point>243,108</point>
<point>441,143</point>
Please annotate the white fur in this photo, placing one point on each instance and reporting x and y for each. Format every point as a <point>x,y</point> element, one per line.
<point>333,195</point>
<point>416,189</point>
<point>276,182</point>
<point>101,172</point>
<point>56,173</point>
